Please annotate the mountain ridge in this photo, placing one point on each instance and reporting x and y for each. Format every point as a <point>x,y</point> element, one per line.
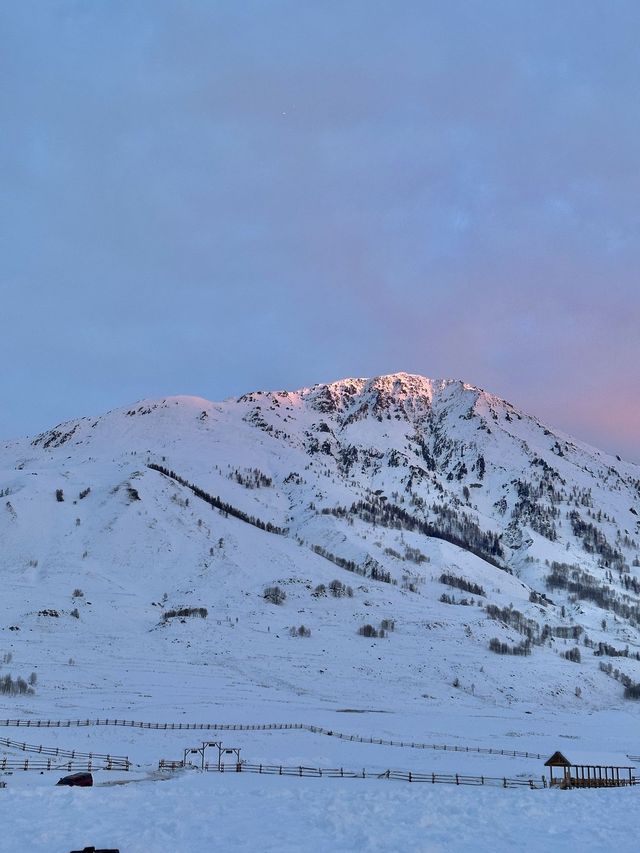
<point>436,503</point>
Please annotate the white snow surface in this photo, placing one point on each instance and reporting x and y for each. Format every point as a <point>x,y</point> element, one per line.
<point>372,474</point>
<point>243,813</point>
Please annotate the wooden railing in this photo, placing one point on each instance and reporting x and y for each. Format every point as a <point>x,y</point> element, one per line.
<point>53,764</point>
<point>115,762</point>
<point>341,773</point>
<point>238,727</point>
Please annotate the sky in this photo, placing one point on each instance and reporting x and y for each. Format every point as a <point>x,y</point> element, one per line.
<point>214,197</point>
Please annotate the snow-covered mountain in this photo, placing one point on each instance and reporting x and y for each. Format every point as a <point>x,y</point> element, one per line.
<point>437,543</point>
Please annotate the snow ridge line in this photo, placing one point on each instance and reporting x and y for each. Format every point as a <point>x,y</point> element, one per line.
<point>238,727</point>
<point>65,753</point>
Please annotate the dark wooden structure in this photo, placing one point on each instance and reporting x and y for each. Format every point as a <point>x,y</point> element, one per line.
<point>589,772</point>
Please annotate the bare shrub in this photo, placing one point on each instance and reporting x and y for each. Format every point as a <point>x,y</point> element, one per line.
<point>19,687</point>
<point>301,631</point>
<point>183,612</point>
<point>274,594</point>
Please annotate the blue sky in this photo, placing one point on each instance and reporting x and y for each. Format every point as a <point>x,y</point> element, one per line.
<point>212,197</point>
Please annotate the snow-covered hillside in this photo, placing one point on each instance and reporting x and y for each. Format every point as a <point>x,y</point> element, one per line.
<point>495,558</point>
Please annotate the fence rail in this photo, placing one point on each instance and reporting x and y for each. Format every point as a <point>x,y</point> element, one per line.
<point>341,773</point>
<point>119,761</point>
<point>52,764</point>
<point>266,727</point>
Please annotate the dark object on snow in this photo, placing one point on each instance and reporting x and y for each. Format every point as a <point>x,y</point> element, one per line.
<point>97,850</point>
<point>80,780</point>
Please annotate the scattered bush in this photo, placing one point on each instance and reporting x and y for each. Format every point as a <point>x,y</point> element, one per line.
<point>461,583</point>
<point>183,612</point>
<point>500,648</point>
<point>458,528</point>
<point>415,555</point>
<point>612,652</point>
<point>451,599</point>
<point>19,687</point>
<point>251,478</point>
<point>573,655</point>
<point>370,568</point>
<point>584,586</point>
<point>83,494</point>
<point>299,632</point>
<point>631,688</point>
<point>319,590</point>
<point>632,691</point>
<point>75,613</point>
<point>370,631</point>
<point>77,593</point>
<point>274,594</point>
<point>514,619</point>
<point>338,589</point>
<point>59,495</point>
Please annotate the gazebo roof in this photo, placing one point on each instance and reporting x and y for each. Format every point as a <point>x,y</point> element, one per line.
<point>589,759</point>
<point>557,760</point>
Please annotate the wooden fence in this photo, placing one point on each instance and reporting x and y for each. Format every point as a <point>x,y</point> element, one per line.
<point>233,727</point>
<point>341,773</point>
<point>53,764</point>
<point>115,762</point>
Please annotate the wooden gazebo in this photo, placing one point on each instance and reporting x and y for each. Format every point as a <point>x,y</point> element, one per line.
<point>590,771</point>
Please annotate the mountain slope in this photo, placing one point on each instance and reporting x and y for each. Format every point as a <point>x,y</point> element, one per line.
<point>440,513</point>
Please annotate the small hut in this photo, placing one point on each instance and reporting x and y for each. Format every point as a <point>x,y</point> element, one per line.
<point>589,771</point>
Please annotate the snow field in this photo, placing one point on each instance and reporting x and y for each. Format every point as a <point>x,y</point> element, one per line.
<point>243,813</point>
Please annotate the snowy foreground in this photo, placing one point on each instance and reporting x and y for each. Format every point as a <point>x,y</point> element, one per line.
<point>396,559</point>
<point>278,814</point>
<point>147,810</point>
